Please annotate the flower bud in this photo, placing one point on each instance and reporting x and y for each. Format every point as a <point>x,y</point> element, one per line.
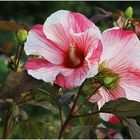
<point>128,12</point>
<point>108,79</point>
<point>21,35</point>
<point>23,116</point>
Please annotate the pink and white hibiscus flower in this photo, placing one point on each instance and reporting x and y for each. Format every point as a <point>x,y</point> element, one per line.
<point>69,45</point>
<point>121,55</point>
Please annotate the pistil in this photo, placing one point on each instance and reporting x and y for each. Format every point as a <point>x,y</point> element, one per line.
<point>73,57</point>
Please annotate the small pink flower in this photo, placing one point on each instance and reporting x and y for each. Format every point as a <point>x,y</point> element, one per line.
<point>70,47</point>
<point>121,53</point>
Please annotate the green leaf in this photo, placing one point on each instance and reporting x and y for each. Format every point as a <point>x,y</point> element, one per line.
<point>3,72</point>
<point>83,132</point>
<point>32,129</point>
<point>122,107</point>
<point>134,128</point>
<point>53,89</point>
<point>44,104</point>
<point>85,106</point>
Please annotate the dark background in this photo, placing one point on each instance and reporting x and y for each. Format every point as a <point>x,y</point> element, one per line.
<point>33,12</point>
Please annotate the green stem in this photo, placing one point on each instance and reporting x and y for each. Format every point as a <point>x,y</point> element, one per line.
<point>17,51</point>
<point>19,57</point>
<point>12,61</point>
<point>6,127</point>
<point>85,115</point>
<point>60,114</point>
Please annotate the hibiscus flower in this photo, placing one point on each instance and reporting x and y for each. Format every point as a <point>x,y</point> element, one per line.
<point>120,76</point>
<point>69,47</point>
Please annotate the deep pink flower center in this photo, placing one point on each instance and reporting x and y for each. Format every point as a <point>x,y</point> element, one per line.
<point>75,57</point>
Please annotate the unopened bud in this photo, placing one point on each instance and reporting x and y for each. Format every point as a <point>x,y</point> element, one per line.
<point>108,79</point>
<point>22,35</point>
<point>23,116</point>
<point>15,110</point>
<point>128,12</point>
<point>111,81</point>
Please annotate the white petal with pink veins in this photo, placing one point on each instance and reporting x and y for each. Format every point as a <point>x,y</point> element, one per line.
<point>89,43</point>
<point>116,41</point>
<point>76,78</point>
<point>45,74</point>
<point>56,29</point>
<point>93,70</point>
<point>128,71</point>
<point>88,40</point>
<point>40,68</point>
<point>38,44</point>
<point>107,96</point>
<point>95,98</point>
<point>132,92</point>
<point>79,23</point>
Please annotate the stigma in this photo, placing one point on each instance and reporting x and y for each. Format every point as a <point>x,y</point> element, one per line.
<point>75,56</point>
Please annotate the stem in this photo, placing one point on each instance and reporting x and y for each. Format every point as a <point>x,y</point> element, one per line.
<point>85,115</point>
<point>12,61</point>
<point>70,114</point>
<point>17,50</point>
<point>19,57</point>
<point>60,113</point>
<point>6,129</point>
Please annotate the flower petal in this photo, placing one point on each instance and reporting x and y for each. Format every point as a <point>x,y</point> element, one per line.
<point>131,76</point>
<point>114,94</point>
<point>38,44</point>
<point>117,41</point>
<point>93,70</point>
<point>76,78</point>
<point>128,71</point>
<point>132,92</point>
<point>79,23</point>
<point>56,29</point>
<point>90,44</point>
<point>63,26</point>
<point>108,95</point>
<point>87,39</point>
<point>95,98</point>
<point>40,68</point>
